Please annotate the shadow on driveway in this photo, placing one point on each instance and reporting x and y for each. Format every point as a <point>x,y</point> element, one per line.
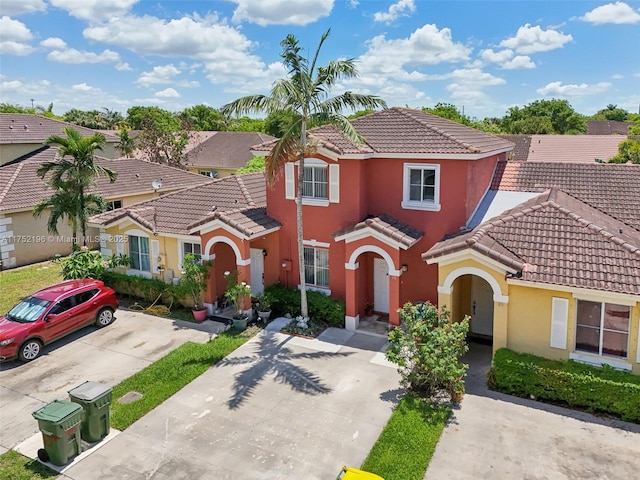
<point>273,357</point>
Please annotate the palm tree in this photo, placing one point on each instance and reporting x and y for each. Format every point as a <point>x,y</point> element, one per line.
<point>65,204</point>
<point>304,94</point>
<point>76,175</point>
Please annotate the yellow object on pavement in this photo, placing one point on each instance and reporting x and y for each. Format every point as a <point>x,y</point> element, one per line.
<point>349,473</point>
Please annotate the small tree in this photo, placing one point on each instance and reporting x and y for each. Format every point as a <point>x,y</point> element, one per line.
<point>427,348</point>
<point>193,281</point>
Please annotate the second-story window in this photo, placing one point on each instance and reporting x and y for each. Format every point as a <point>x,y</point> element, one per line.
<point>314,184</point>
<point>421,189</point>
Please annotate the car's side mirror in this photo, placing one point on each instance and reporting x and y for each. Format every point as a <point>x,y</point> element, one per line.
<point>49,317</point>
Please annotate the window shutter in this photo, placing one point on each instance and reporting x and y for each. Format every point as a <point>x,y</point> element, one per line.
<point>155,253</point>
<point>334,184</point>
<point>289,181</point>
<point>559,319</point>
<point>119,245</point>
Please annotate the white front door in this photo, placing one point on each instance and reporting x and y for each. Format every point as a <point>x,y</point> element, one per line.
<point>481,307</point>
<point>380,285</point>
<point>257,271</point>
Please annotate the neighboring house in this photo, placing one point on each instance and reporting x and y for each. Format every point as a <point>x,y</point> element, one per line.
<point>24,239</point>
<point>564,148</point>
<point>608,127</point>
<point>558,274</point>
<point>21,134</point>
<point>220,154</point>
<point>223,220</point>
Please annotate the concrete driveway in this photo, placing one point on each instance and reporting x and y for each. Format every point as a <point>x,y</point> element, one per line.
<point>500,437</point>
<point>106,355</point>
<point>279,407</point>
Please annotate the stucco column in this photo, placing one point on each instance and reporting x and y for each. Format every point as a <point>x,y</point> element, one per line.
<point>500,317</point>
<point>352,318</point>
<point>210,296</point>
<point>394,299</point>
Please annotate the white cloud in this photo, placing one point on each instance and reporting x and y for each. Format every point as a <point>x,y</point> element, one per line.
<point>637,74</point>
<point>159,75</point>
<point>281,12</point>
<point>54,43</point>
<point>168,93</point>
<point>530,39</point>
<point>18,7</point>
<point>95,10</point>
<point>15,37</point>
<point>353,3</point>
<point>83,87</point>
<point>618,13</point>
<point>557,89</point>
<point>395,11</point>
<point>496,57</point>
<point>79,57</point>
<point>123,67</point>
<point>519,62</point>
<point>617,76</point>
<point>19,89</point>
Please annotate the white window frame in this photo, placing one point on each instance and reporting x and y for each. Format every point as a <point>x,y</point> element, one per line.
<point>134,271</point>
<point>409,204</point>
<point>332,182</point>
<point>315,183</point>
<point>314,285</point>
<point>111,205</point>
<point>601,331</point>
<point>181,252</point>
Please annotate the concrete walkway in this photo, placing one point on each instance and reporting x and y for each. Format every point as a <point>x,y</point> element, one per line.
<point>499,437</point>
<point>279,407</point>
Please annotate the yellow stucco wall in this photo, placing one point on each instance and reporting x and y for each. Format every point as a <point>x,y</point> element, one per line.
<point>523,323</point>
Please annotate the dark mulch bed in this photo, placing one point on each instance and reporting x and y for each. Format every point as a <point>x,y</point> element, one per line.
<point>315,329</point>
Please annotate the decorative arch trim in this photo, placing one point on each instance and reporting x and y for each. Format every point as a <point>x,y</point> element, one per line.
<point>353,265</point>
<point>221,239</point>
<point>447,285</point>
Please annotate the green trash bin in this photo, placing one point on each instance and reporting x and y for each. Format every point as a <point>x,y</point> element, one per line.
<point>59,422</point>
<point>95,399</point>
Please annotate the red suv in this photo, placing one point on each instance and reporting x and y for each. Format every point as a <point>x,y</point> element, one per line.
<point>54,312</point>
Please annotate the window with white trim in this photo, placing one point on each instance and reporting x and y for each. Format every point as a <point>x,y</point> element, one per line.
<point>189,247</point>
<point>139,253</point>
<point>421,189</point>
<point>315,182</point>
<point>603,328</point>
<point>316,266</point>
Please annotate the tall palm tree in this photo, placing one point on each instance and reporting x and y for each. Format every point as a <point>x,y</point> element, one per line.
<point>65,204</point>
<point>75,175</point>
<point>304,95</point>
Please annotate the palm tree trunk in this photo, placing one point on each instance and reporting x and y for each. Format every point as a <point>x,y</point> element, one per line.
<point>304,310</point>
<point>83,220</point>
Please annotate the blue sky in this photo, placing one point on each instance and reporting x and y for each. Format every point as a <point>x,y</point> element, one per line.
<point>483,56</point>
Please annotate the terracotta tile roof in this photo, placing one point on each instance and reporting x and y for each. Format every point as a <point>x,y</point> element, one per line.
<point>611,188</point>
<point>608,127</point>
<point>231,150</point>
<point>21,188</point>
<point>388,226</point>
<point>522,145</point>
<point>573,148</point>
<point>407,131</point>
<point>24,128</point>
<point>557,239</point>
<point>239,201</point>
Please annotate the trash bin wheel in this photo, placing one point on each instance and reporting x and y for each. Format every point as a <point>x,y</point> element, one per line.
<point>43,455</point>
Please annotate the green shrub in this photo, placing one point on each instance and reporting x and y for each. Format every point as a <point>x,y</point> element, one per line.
<point>603,390</point>
<point>322,308</point>
<point>147,289</point>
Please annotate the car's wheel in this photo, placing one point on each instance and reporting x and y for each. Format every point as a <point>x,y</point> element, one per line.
<point>104,317</point>
<point>30,350</point>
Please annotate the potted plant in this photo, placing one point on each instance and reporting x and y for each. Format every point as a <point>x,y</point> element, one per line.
<point>193,281</point>
<point>263,307</point>
<point>237,293</point>
<point>368,308</point>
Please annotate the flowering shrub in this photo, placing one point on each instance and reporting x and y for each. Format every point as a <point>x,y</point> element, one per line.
<point>237,292</point>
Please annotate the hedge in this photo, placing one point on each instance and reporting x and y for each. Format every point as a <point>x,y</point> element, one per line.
<point>148,289</point>
<point>599,390</point>
<point>322,308</point>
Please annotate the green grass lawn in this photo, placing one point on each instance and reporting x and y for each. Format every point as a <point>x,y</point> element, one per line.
<point>14,466</point>
<point>163,378</point>
<point>405,446</point>
<point>20,282</point>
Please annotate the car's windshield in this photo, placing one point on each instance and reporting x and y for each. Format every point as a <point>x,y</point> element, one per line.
<point>28,310</point>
